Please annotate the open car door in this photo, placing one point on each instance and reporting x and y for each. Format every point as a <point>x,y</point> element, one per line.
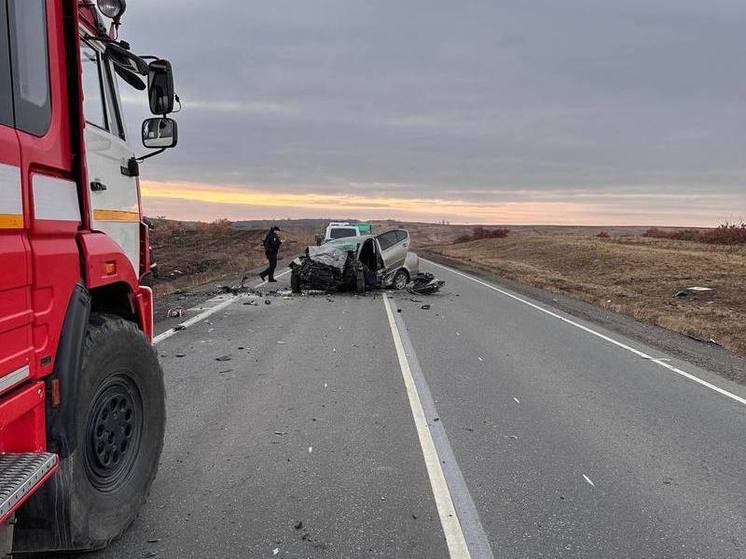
<point>394,246</point>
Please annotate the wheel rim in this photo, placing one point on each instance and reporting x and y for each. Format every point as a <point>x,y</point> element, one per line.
<point>114,430</point>
<point>400,280</point>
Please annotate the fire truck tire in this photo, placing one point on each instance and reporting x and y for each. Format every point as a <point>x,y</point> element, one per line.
<point>121,425</point>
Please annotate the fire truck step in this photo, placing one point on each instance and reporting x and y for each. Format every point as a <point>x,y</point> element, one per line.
<point>19,476</point>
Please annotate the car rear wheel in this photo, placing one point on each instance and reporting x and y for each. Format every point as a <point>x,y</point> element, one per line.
<point>401,279</point>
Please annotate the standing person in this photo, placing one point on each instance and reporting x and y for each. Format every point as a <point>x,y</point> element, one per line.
<point>271,244</point>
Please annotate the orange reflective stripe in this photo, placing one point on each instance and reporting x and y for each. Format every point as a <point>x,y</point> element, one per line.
<point>116,215</point>
<point>11,221</point>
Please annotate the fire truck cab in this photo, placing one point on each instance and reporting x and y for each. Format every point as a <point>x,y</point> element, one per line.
<point>82,406</point>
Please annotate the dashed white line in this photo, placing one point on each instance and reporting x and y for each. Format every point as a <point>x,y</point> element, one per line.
<point>586,478</point>
<point>203,315</point>
<point>657,361</point>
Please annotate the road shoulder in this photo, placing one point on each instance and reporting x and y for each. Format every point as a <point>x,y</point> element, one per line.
<point>706,356</point>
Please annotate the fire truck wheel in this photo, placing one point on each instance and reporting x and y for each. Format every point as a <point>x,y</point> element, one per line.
<point>121,424</point>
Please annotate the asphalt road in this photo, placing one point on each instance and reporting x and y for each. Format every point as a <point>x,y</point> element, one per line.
<point>489,425</point>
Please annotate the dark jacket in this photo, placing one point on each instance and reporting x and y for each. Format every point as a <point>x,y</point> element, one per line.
<point>272,242</point>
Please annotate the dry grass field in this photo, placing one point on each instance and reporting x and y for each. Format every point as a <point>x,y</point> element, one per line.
<point>626,273</point>
<point>190,254</point>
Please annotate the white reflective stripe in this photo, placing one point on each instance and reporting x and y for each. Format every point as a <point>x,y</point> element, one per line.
<point>10,190</point>
<point>10,380</point>
<point>55,198</point>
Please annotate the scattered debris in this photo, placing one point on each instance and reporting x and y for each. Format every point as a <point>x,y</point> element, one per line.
<point>223,358</point>
<point>180,355</point>
<point>425,307</point>
<point>176,312</point>
<point>586,478</point>
<point>281,433</point>
<point>425,283</point>
<point>154,540</point>
<point>298,525</point>
<point>517,401</point>
<point>226,371</point>
<point>179,327</point>
<point>267,302</point>
<point>692,291</point>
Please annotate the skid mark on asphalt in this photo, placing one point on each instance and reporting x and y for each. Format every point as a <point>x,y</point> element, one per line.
<point>658,361</point>
<point>219,303</point>
<point>465,535</point>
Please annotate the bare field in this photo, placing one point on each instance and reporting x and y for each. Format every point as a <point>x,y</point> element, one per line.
<point>628,274</point>
<point>191,254</point>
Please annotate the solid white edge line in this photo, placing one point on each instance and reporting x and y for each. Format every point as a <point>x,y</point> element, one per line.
<point>203,315</point>
<point>657,361</point>
<point>455,540</point>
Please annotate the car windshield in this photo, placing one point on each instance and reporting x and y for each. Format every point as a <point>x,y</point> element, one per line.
<point>342,232</point>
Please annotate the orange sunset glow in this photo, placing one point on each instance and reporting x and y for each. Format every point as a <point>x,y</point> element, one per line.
<point>185,200</point>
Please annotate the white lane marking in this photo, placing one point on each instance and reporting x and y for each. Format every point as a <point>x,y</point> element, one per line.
<point>586,478</point>
<point>444,503</point>
<point>637,352</point>
<point>203,315</point>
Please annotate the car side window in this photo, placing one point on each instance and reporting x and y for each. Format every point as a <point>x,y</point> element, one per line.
<point>30,65</point>
<point>401,235</point>
<point>6,87</point>
<point>94,108</point>
<point>387,240</point>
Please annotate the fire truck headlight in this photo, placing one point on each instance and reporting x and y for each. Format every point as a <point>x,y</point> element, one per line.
<point>112,8</point>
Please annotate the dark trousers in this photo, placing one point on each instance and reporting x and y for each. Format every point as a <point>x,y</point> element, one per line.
<point>272,259</point>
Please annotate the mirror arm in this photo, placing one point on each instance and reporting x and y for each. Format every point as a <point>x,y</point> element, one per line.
<point>176,98</point>
<point>149,155</point>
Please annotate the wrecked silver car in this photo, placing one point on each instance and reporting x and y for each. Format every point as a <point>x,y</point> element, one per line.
<point>357,263</point>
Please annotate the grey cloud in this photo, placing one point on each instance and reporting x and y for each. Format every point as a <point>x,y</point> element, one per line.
<point>454,98</point>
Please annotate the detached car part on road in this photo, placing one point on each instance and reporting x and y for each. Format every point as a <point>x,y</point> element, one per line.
<point>357,264</point>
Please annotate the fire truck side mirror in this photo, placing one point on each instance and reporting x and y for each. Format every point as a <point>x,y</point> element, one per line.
<point>160,133</point>
<point>160,87</point>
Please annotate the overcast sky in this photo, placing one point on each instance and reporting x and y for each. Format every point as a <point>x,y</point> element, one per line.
<point>534,111</point>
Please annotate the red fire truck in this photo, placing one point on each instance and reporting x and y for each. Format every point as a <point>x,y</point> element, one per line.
<point>82,409</point>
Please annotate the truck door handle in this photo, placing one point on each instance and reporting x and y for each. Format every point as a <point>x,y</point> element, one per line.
<point>97,186</point>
